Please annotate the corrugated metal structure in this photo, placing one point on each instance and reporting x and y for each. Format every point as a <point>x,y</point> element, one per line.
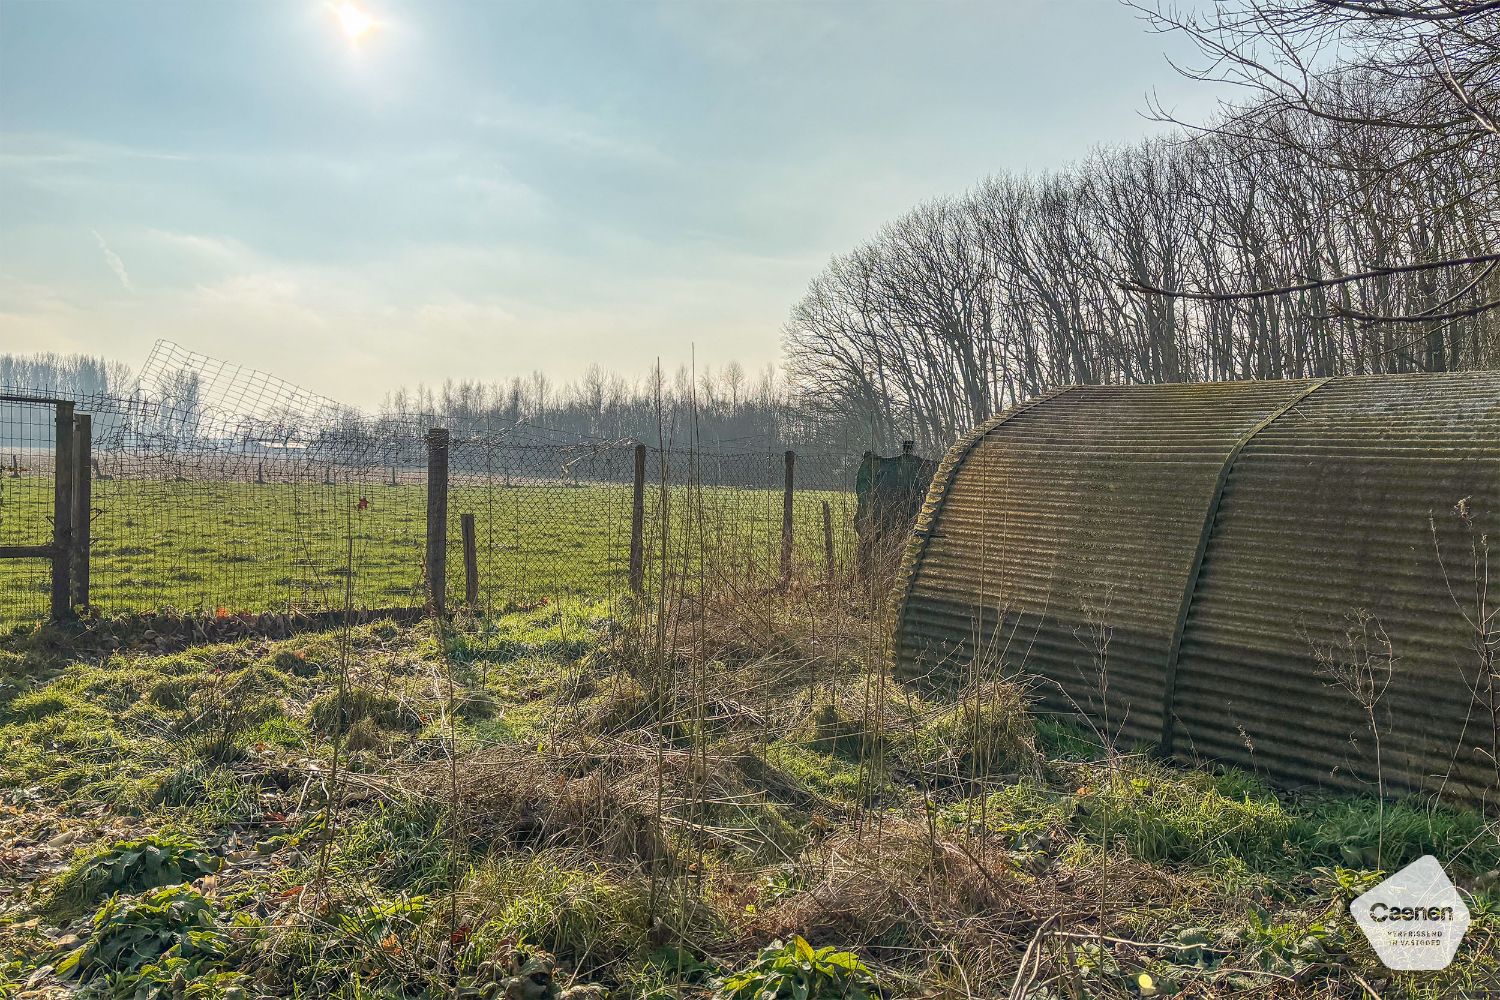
<point>1239,571</point>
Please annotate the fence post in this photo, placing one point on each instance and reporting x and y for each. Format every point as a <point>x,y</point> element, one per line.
<point>786,518</point>
<point>828,538</point>
<point>638,524</point>
<point>83,505</point>
<point>437,519</point>
<point>62,513</point>
<point>471,561</point>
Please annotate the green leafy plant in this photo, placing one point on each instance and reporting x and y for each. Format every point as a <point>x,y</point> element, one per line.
<point>131,933</point>
<point>796,971</point>
<point>177,977</point>
<point>1287,946</point>
<point>131,866</point>
<point>380,919</point>
<point>1340,885</point>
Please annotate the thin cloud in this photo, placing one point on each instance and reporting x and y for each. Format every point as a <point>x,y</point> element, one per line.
<point>115,263</point>
<point>569,129</point>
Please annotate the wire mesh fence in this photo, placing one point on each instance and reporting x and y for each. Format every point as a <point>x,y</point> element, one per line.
<point>27,447</point>
<point>237,523</point>
<point>218,489</point>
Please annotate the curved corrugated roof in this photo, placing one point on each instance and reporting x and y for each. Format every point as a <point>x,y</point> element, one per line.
<point>1189,565</point>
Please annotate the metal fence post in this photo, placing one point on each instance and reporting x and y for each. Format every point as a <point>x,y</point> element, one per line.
<point>83,503</point>
<point>786,518</point>
<point>638,524</point>
<point>437,519</point>
<point>471,561</point>
<point>62,513</point>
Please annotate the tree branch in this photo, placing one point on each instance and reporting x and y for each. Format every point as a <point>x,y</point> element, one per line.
<point>1128,285</point>
<point>1422,317</point>
<point>1386,12</point>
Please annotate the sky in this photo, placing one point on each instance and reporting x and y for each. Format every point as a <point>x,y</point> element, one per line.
<point>483,189</point>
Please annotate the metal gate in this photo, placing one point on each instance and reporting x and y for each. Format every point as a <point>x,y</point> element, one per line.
<point>44,503</point>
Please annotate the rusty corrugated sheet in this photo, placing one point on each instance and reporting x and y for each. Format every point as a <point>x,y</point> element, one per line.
<point>1060,539</point>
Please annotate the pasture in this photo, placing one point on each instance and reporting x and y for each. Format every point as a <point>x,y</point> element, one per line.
<point>206,546</point>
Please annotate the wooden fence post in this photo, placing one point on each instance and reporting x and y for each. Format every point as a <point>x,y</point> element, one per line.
<point>437,519</point>
<point>786,518</point>
<point>638,524</point>
<point>62,513</point>
<point>828,538</point>
<point>471,561</point>
<point>83,505</point>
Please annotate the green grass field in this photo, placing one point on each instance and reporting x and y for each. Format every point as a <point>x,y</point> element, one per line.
<point>395,814</point>
<point>203,546</point>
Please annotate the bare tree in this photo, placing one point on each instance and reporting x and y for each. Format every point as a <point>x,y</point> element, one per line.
<point>1419,79</point>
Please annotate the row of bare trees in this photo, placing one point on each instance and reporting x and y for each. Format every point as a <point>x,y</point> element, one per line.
<point>722,408</point>
<point>1273,243</point>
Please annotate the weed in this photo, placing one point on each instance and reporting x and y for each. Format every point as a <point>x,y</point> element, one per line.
<point>1353,832</point>
<point>583,914</point>
<point>1165,815</point>
<point>1060,738</point>
<point>795,971</point>
<point>1025,816</point>
<point>129,934</point>
<point>986,732</point>
<point>131,866</point>
<point>824,774</point>
<point>219,714</point>
<point>332,714</point>
<point>1288,944</point>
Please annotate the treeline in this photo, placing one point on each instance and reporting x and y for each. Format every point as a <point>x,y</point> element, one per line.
<point>967,305</point>
<point>65,375</point>
<point>723,409</point>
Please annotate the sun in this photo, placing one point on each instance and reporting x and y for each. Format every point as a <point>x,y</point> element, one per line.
<point>354,21</point>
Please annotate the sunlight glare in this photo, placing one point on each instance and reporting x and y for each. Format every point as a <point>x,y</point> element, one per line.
<point>354,20</point>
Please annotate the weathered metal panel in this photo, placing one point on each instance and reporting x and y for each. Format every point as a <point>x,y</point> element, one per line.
<point>1341,516</point>
<point>1057,542</point>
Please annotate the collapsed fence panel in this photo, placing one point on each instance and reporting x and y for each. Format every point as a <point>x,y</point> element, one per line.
<point>1296,549</point>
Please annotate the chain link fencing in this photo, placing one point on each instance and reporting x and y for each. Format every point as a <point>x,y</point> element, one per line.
<point>27,448</point>
<point>223,521</point>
